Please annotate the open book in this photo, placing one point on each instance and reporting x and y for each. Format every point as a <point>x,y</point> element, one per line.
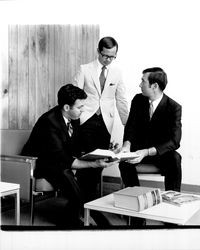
<point>110,155</point>
<point>177,198</point>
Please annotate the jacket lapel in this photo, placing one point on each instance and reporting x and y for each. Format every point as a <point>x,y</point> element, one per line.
<point>108,79</point>
<point>62,124</point>
<point>160,107</point>
<point>95,76</point>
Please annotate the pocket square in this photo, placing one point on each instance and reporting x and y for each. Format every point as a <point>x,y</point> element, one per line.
<point>111,84</point>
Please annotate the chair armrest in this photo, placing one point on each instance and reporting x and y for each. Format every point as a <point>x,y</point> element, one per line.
<point>145,168</point>
<point>19,169</point>
<point>19,158</point>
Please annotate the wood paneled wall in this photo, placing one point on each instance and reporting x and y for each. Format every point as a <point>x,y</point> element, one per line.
<point>37,61</point>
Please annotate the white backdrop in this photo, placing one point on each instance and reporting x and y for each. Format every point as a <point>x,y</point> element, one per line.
<point>152,33</point>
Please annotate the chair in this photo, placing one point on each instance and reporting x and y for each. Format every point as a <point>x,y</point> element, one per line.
<point>19,169</point>
<point>145,168</point>
<point>144,171</point>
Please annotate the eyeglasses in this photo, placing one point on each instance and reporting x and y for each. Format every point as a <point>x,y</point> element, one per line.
<point>108,57</point>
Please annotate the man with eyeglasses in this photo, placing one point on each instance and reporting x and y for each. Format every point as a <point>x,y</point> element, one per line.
<point>104,87</point>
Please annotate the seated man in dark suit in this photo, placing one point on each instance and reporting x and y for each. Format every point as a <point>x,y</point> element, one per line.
<point>54,141</point>
<point>153,131</point>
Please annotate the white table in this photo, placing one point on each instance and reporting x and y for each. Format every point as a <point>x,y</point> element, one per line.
<point>10,189</point>
<point>184,215</point>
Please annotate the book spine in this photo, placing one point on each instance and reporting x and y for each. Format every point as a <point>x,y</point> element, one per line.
<point>149,199</point>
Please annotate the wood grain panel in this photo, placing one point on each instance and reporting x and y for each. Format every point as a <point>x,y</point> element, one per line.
<point>32,75</point>
<point>72,52</point>
<point>23,77</point>
<point>67,56</point>
<point>59,57</point>
<point>51,87</point>
<point>4,74</point>
<point>37,61</point>
<point>42,70</point>
<point>13,77</point>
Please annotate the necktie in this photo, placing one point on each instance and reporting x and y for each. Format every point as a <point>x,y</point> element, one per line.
<point>102,77</point>
<point>150,109</point>
<point>70,128</point>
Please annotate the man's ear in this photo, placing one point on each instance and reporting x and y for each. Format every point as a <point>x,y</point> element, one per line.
<point>66,107</point>
<point>155,85</point>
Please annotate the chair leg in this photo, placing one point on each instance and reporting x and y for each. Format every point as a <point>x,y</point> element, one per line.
<point>101,185</point>
<point>32,207</point>
<point>122,185</point>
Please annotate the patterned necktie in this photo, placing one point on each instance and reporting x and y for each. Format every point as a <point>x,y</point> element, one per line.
<point>151,109</point>
<point>102,77</point>
<point>70,128</point>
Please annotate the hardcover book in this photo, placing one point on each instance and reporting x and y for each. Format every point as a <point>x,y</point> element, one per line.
<point>177,198</point>
<point>110,155</point>
<point>137,198</point>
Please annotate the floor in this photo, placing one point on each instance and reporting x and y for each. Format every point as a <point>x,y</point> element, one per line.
<point>48,214</point>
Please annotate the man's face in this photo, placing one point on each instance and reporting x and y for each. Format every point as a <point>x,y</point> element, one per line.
<point>145,86</point>
<point>106,56</point>
<point>75,111</point>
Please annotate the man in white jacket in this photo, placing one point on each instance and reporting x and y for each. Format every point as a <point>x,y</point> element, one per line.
<point>105,88</point>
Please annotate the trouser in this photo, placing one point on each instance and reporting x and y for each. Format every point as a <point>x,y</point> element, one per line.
<point>169,165</point>
<point>93,135</point>
<point>66,182</point>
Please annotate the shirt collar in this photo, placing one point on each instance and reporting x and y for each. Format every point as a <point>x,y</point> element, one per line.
<point>99,65</point>
<point>66,120</point>
<point>156,102</point>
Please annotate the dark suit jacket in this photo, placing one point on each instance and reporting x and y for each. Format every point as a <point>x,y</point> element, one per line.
<point>163,131</point>
<point>51,143</point>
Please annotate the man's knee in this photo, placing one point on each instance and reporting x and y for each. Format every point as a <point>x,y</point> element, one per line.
<point>175,159</point>
<point>172,158</point>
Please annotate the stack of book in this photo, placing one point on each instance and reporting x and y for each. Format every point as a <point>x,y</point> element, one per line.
<point>177,198</point>
<point>137,198</point>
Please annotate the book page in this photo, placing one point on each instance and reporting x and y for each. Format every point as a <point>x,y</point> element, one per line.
<point>103,152</point>
<point>98,154</point>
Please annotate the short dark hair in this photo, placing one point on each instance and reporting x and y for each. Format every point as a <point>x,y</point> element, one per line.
<point>68,94</point>
<point>157,75</point>
<point>107,42</point>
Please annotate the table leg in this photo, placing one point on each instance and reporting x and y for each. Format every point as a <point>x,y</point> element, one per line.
<point>86,216</point>
<point>17,208</point>
<point>129,221</point>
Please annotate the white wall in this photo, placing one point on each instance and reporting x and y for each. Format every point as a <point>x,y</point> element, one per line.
<point>167,35</point>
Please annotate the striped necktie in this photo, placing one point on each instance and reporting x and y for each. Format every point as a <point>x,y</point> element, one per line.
<point>70,128</point>
<point>151,109</point>
<point>102,77</point>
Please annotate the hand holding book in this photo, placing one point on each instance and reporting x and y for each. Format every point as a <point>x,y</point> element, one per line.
<point>110,155</point>
<point>103,163</point>
<point>140,155</point>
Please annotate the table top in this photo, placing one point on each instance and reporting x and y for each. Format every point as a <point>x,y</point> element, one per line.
<point>6,187</point>
<point>162,212</point>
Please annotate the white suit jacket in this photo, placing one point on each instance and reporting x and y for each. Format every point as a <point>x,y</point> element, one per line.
<point>114,92</point>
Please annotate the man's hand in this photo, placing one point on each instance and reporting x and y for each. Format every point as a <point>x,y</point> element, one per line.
<point>142,153</point>
<point>126,147</point>
<point>104,163</point>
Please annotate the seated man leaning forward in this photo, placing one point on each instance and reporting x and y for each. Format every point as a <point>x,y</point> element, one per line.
<point>153,131</point>
<point>54,141</point>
